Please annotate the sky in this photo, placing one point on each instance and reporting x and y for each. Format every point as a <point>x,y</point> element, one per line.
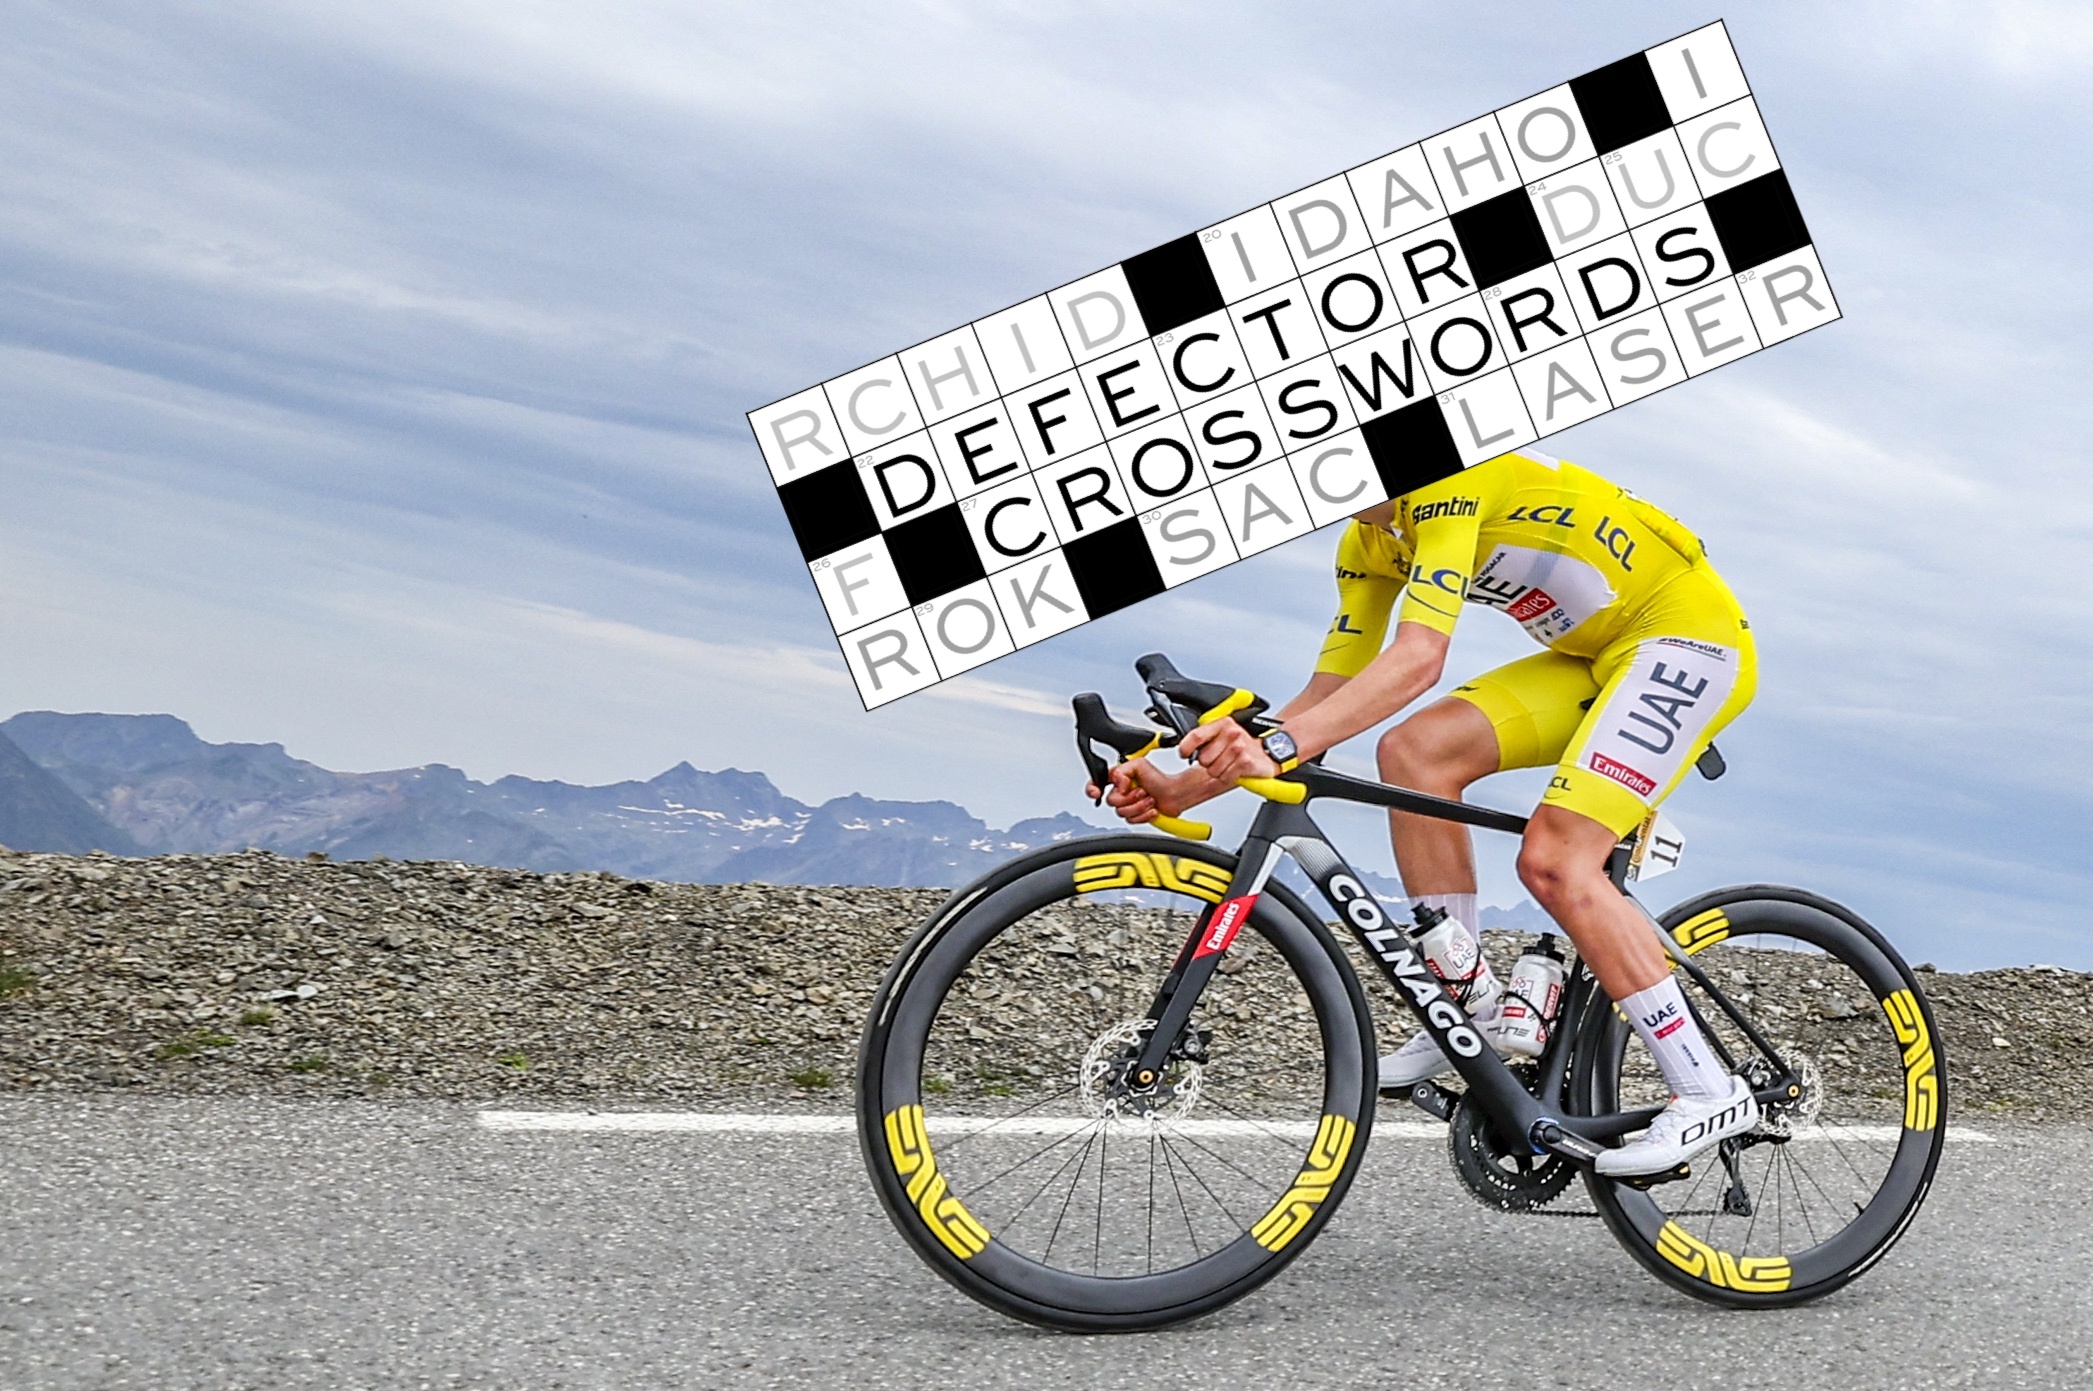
<point>372,380</point>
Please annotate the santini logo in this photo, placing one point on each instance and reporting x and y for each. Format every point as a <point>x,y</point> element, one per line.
<point>1451,507</point>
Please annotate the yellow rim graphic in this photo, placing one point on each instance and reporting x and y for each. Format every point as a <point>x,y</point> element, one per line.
<point>946,1216</point>
<point>1749,1274</point>
<point>1290,1215</point>
<point>1701,931</point>
<point>1142,869</point>
<point>1921,1079</point>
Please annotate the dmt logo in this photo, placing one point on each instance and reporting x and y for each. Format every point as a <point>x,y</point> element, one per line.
<point>1715,1122</point>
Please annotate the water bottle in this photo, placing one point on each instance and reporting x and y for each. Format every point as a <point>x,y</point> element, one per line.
<point>1531,998</point>
<point>1455,958</point>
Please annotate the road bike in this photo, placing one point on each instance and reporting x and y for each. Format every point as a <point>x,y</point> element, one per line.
<point>1120,1082</point>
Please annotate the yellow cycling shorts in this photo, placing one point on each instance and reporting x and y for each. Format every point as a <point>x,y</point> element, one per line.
<point>1623,727</point>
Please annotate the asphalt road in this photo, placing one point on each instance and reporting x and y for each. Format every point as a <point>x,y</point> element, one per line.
<point>205,1244</point>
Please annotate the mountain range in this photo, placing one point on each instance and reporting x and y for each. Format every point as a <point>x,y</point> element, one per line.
<point>147,785</point>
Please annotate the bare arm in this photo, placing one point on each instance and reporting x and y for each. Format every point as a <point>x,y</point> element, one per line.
<point>1406,670</point>
<point>1321,686</point>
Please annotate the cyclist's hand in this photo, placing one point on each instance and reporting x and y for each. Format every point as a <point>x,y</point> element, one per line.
<point>1227,752</point>
<point>1141,792</point>
<point>1135,804</point>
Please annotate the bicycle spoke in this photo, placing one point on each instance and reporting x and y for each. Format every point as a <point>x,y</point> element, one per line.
<point>1225,1210</point>
<point>1072,1187</point>
<point>1097,1241</point>
<point>1062,1169</point>
<point>1055,1143</point>
<point>973,1135</point>
<point>1184,1210</point>
<point>1222,1160</point>
<point>1802,1202</point>
<point>1151,1204</point>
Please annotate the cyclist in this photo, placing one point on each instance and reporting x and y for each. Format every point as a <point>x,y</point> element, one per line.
<point>1648,657</point>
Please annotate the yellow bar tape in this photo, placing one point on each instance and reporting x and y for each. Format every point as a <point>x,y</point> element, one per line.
<point>1242,699</point>
<point>1274,790</point>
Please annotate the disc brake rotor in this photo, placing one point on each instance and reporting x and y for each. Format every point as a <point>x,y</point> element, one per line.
<point>1101,1091</point>
<point>1781,1119</point>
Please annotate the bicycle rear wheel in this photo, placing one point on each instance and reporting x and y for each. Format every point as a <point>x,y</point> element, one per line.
<point>991,1130</point>
<point>1828,1181</point>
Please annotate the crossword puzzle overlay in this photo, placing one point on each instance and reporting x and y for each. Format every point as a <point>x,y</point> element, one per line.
<point>1274,373</point>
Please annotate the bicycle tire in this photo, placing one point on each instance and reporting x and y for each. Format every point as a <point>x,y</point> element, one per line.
<point>929,1200</point>
<point>1844,1134</point>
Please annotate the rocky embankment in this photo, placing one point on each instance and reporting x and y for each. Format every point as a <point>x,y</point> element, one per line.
<point>259,975</point>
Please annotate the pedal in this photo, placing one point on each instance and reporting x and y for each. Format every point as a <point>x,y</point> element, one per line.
<point>1429,1097</point>
<point>1643,1183</point>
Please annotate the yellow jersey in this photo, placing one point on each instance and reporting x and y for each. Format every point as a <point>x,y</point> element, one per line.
<point>1569,555</point>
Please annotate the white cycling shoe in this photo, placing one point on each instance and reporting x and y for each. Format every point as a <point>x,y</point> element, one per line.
<point>1420,1058</point>
<point>1681,1131</point>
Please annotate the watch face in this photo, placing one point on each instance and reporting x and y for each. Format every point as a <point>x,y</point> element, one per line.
<point>1280,745</point>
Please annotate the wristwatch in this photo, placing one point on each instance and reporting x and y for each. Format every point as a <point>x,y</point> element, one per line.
<point>1279,746</point>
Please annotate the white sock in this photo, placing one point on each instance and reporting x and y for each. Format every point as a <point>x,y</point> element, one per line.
<point>1459,907</point>
<point>1676,1043</point>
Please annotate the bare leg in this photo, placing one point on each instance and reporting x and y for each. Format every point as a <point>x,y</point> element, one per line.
<point>1563,864</point>
<point>1441,750</point>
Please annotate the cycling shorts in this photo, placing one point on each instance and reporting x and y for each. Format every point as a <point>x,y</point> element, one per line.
<point>1623,727</point>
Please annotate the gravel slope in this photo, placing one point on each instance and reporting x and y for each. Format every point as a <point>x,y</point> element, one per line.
<point>252,974</point>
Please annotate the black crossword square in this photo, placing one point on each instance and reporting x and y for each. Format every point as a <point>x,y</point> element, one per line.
<point>1621,103</point>
<point>1502,238</point>
<point>1113,568</point>
<point>933,555</point>
<point>1757,220</point>
<point>1411,447</point>
<point>1172,284</point>
<point>828,510</point>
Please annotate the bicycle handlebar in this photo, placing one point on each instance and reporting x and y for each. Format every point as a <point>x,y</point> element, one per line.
<point>1181,705</point>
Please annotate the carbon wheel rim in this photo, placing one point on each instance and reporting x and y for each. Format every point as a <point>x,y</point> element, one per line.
<point>1784,1217</point>
<point>1043,1187</point>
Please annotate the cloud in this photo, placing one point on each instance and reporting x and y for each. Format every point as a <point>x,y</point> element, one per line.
<point>372,380</point>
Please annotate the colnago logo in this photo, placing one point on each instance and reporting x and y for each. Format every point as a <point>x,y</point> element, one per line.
<point>1449,507</point>
<point>1387,942</point>
<point>1532,604</point>
<point>1228,920</point>
<point>1640,784</point>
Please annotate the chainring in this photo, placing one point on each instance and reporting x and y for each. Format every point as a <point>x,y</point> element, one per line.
<point>1496,1175</point>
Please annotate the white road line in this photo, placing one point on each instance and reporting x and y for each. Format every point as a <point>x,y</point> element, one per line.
<point>728,1123</point>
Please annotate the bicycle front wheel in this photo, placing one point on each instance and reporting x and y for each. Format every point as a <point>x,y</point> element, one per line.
<point>1829,1179</point>
<point>1003,1151</point>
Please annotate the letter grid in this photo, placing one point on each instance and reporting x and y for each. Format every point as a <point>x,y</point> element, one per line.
<point>1241,386</point>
